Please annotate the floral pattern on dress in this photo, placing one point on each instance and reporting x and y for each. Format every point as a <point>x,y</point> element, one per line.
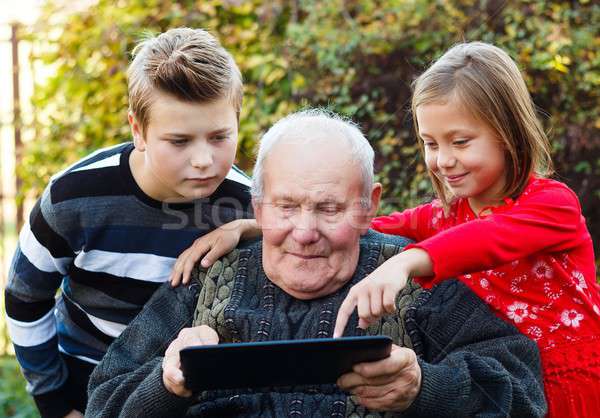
<point>571,318</point>
<point>579,280</point>
<point>542,270</point>
<point>518,312</point>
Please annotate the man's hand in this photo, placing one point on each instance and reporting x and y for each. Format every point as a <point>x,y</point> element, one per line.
<point>375,295</point>
<point>172,375</point>
<point>391,384</point>
<point>74,414</point>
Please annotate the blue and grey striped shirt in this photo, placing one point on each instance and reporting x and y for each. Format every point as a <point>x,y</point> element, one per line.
<point>108,246</point>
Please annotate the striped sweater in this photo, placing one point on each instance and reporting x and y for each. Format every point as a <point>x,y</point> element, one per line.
<point>108,246</point>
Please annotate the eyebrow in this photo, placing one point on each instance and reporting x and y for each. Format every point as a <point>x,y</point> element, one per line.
<point>446,134</point>
<point>221,131</point>
<point>182,135</point>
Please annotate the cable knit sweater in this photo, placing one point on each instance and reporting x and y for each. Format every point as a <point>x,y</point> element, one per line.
<point>473,364</point>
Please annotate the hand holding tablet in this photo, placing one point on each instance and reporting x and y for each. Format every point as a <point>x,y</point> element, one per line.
<point>278,363</point>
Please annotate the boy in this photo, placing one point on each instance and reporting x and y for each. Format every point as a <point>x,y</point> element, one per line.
<point>110,227</point>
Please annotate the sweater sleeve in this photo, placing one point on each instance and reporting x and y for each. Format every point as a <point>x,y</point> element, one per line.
<point>128,380</point>
<point>472,363</point>
<point>547,219</point>
<point>42,258</point>
<point>416,223</point>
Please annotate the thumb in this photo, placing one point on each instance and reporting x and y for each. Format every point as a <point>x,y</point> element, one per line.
<point>207,335</point>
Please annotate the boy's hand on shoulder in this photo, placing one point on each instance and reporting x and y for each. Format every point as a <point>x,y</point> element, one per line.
<point>375,295</point>
<point>74,414</point>
<point>210,247</point>
<point>172,375</point>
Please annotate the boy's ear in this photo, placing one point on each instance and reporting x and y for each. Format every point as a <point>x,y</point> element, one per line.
<point>136,132</point>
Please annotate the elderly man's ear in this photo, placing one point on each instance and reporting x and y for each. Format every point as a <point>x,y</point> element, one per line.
<point>375,199</point>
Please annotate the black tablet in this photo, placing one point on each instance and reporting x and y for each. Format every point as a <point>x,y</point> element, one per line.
<point>278,363</point>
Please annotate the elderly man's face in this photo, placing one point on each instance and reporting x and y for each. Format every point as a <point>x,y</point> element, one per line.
<point>311,216</point>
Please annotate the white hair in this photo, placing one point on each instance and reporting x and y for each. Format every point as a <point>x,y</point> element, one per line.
<point>299,126</point>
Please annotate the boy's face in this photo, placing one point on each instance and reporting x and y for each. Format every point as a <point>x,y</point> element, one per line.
<point>188,148</point>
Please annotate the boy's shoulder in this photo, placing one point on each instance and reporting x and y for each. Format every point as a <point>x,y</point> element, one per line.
<point>234,190</point>
<point>97,174</point>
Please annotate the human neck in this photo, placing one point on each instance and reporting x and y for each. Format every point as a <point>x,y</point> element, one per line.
<point>144,179</point>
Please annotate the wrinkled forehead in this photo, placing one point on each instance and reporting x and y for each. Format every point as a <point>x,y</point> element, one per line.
<point>316,171</point>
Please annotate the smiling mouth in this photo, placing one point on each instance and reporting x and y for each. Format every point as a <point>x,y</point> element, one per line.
<point>306,256</point>
<point>455,178</point>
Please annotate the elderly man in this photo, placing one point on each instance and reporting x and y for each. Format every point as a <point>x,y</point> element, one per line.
<point>313,197</point>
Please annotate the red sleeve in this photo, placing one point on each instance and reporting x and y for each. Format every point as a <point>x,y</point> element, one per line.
<point>415,223</point>
<point>547,219</point>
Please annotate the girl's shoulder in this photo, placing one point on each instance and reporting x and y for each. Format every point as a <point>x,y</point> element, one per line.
<point>540,188</point>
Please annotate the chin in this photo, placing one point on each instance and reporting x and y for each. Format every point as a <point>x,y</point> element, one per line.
<point>301,286</point>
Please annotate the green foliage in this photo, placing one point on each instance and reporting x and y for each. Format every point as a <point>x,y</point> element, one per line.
<point>356,57</point>
<point>14,400</point>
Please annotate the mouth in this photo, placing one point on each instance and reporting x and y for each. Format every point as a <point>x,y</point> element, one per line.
<point>305,256</point>
<point>453,179</point>
<point>201,179</point>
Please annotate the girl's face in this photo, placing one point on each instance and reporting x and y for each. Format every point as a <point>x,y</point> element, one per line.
<point>463,152</point>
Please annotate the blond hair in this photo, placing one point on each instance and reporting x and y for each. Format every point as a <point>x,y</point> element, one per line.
<point>488,83</point>
<point>188,64</point>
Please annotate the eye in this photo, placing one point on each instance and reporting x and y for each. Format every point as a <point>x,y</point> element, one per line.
<point>461,142</point>
<point>430,144</point>
<point>287,207</point>
<point>329,209</point>
<point>178,142</point>
<point>219,138</point>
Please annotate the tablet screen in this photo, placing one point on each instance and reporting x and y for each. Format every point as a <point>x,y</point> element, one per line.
<point>278,363</point>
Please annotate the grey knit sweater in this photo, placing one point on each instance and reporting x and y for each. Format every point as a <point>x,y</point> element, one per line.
<point>473,364</point>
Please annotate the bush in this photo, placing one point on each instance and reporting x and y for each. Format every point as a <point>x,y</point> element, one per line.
<point>356,57</point>
<point>14,400</point>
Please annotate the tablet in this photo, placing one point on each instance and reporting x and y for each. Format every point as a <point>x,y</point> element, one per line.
<point>278,363</point>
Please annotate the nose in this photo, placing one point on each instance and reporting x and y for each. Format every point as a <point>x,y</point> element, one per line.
<point>201,156</point>
<point>445,158</point>
<point>305,230</point>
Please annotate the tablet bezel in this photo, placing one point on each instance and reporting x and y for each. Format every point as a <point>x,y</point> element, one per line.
<point>278,363</point>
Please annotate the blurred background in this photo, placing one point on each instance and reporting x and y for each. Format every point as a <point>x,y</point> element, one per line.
<point>63,89</point>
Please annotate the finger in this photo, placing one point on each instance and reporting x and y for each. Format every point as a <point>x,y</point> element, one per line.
<point>213,255</point>
<point>398,360</point>
<point>372,391</point>
<point>363,306</point>
<point>175,273</point>
<point>188,267</point>
<point>175,381</point>
<point>376,305</point>
<point>381,403</point>
<point>208,335</point>
<point>346,309</point>
<point>389,299</point>
<point>350,381</point>
<point>198,249</point>
<point>177,268</point>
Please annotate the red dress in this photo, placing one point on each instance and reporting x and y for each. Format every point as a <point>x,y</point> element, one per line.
<point>532,261</point>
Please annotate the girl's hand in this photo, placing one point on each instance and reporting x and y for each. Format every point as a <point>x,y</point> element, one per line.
<point>212,246</point>
<point>375,295</point>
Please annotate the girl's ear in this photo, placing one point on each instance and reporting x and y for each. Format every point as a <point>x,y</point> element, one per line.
<point>136,132</point>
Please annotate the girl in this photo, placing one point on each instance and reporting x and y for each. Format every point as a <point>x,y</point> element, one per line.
<point>515,237</point>
<point>499,225</point>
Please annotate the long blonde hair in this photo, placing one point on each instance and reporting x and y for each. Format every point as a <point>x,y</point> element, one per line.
<point>488,83</point>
